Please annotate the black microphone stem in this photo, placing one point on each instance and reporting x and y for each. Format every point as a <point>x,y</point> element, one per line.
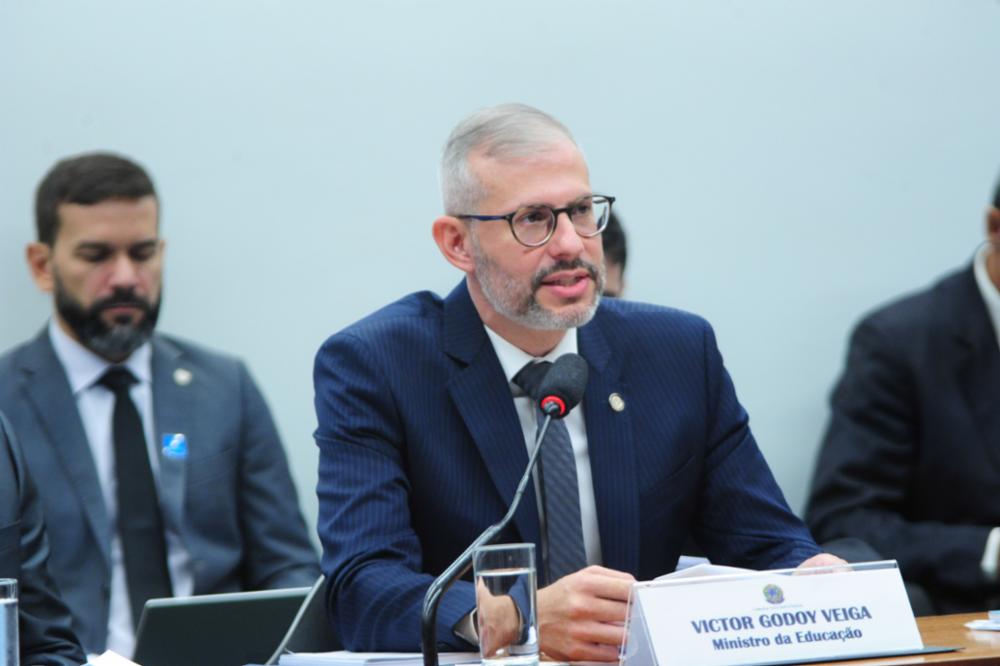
<point>544,540</point>
<point>457,569</point>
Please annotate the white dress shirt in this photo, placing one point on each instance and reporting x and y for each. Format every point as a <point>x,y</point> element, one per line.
<point>512,360</point>
<point>96,405</point>
<point>988,290</point>
<point>991,297</point>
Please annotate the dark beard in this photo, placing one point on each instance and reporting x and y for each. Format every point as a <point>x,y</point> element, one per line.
<point>114,343</point>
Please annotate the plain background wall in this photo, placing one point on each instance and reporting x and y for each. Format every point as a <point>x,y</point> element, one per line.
<point>782,166</point>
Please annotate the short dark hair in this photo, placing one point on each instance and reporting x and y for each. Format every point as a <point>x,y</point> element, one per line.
<point>613,239</point>
<point>86,179</point>
<point>996,197</point>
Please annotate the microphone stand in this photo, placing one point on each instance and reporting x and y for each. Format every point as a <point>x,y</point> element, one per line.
<point>457,569</point>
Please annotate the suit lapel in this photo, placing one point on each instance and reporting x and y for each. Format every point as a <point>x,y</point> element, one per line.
<point>481,395</point>
<point>612,455</point>
<point>48,391</point>
<point>977,360</point>
<point>172,409</point>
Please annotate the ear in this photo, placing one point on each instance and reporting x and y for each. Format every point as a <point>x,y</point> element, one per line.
<point>452,237</point>
<point>39,256</point>
<point>993,226</point>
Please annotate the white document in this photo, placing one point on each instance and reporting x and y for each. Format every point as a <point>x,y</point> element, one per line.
<point>110,658</point>
<point>348,658</point>
<point>984,625</point>
<point>703,569</point>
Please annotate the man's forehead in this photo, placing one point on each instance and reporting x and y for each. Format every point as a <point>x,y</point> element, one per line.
<point>117,206</point>
<point>526,156</point>
<point>108,213</point>
<point>110,223</point>
<point>534,178</point>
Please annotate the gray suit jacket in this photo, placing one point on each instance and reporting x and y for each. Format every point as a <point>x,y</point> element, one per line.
<point>44,629</point>
<point>231,498</point>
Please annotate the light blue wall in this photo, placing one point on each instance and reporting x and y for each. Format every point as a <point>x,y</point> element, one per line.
<point>781,166</point>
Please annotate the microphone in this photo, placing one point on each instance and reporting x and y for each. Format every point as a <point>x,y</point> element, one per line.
<point>562,387</point>
<point>560,391</point>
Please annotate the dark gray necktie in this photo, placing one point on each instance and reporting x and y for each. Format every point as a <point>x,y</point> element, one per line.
<point>140,525</point>
<point>560,491</point>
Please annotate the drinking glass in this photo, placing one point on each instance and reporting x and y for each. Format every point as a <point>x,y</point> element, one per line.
<point>9,650</point>
<point>505,604</point>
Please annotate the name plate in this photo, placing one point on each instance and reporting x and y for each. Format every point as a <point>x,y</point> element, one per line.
<point>713,617</point>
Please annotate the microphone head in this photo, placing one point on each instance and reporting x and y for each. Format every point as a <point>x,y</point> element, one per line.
<point>562,387</point>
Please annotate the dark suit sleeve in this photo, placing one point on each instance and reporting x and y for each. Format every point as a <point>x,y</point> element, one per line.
<point>45,634</point>
<point>744,519</point>
<point>277,549</point>
<point>371,553</point>
<point>863,472</point>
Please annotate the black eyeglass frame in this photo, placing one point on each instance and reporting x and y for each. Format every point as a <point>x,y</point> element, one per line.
<point>556,212</point>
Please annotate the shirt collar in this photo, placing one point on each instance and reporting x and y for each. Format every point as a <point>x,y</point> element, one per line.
<point>84,367</point>
<point>512,359</point>
<point>988,290</point>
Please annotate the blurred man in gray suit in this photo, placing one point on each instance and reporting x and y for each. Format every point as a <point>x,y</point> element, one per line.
<point>160,469</point>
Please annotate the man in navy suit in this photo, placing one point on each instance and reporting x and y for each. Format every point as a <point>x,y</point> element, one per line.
<point>424,428</point>
<point>911,458</point>
<point>160,470</point>
<point>44,622</point>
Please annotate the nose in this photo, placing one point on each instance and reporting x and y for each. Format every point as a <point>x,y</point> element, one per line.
<point>565,242</point>
<point>124,272</point>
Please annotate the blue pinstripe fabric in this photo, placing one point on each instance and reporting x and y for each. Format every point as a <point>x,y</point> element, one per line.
<point>559,482</point>
<point>421,448</point>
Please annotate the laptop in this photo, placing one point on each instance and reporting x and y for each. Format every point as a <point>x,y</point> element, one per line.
<point>216,629</point>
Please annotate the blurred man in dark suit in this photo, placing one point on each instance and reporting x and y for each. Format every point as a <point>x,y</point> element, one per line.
<point>615,256</point>
<point>911,458</point>
<point>44,621</point>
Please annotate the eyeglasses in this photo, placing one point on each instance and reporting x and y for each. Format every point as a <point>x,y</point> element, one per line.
<point>533,226</point>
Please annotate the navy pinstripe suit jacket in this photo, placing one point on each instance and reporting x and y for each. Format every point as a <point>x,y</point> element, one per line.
<point>421,449</point>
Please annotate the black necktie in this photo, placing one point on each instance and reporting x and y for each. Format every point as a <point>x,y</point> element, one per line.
<point>560,489</point>
<point>140,525</point>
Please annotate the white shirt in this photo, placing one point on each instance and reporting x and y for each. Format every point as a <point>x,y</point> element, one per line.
<point>991,297</point>
<point>512,360</point>
<point>988,290</point>
<point>96,405</point>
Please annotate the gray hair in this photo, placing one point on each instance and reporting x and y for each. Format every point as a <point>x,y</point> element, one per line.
<point>499,132</point>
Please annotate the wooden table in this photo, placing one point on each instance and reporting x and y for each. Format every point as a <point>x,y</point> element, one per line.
<point>980,647</point>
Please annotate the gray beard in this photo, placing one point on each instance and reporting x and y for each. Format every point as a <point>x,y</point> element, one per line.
<point>505,294</point>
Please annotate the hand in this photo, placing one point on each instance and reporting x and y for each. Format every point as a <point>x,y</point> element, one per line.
<point>581,616</point>
<point>498,619</point>
<point>822,560</point>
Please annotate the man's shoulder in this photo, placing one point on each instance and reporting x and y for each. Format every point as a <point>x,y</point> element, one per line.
<point>32,351</point>
<point>634,320</point>
<point>195,356</point>
<point>924,310</point>
<point>413,315</point>
<point>27,355</point>
<point>18,354</point>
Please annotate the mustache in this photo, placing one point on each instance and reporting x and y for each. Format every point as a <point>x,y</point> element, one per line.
<point>563,265</point>
<point>122,297</point>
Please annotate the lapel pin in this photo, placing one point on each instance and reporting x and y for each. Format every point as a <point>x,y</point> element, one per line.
<point>617,402</point>
<point>182,376</point>
<point>175,445</point>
